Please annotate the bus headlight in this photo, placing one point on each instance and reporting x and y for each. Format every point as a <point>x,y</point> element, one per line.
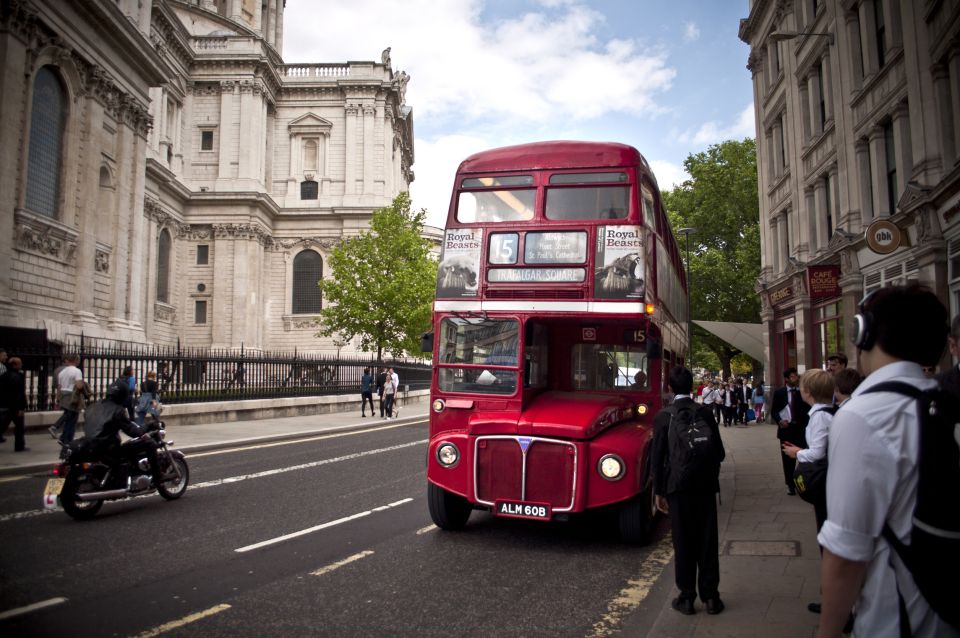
<point>438,405</point>
<point>641,409</point>
<point>448,455</point>
<point>611,467</point>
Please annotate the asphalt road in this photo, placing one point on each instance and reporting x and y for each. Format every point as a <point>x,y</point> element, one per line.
<point>225,561</point>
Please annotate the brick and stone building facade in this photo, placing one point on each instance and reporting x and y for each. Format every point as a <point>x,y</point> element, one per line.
<point>858,140</point>
<point>167,176</point>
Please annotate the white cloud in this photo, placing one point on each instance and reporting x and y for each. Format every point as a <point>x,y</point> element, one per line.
<point>691,32</point>
<point>435,167</point>
<point>668,174</point>
<point>712,132</point>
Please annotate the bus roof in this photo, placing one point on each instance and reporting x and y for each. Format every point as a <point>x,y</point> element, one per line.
<point>553,155</point>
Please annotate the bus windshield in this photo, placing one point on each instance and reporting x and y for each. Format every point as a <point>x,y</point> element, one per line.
<point>481,348</point>
<point>609,367</point>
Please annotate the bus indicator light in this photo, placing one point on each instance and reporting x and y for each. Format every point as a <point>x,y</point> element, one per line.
<point>649,308</point>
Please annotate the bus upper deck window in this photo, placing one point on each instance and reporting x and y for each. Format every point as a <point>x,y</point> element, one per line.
<point>496,206</point>
<point>589,201</point>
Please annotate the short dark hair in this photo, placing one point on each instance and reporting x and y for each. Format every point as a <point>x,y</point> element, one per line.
<point>680,380</point>
<point>788,372</point>
<point>847,380</point>
<point>909,322</point>
<point>839,356</point>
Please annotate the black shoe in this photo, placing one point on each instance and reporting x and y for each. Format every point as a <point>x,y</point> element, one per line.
<point>683,605</point>
<point>848,628</point>
<point>791,491</point>
<point>814,607</point>
<point>714,606</point>
<point>23,449</point>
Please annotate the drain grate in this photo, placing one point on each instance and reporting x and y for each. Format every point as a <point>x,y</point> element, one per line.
<point>762,548</point>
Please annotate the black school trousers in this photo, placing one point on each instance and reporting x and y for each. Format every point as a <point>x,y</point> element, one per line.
<point>693,521</point>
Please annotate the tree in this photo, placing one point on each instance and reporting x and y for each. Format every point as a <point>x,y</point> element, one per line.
<point>382,283</point>
<point>720,201</point>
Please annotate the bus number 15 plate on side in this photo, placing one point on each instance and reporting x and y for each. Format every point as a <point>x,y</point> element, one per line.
<point>519,509</point>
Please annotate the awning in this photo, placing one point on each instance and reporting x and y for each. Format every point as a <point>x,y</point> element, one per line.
<point>746,337</point>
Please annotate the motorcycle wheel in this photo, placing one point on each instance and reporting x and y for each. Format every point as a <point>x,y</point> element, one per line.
<point>174,488</point>
<point>74,507</point>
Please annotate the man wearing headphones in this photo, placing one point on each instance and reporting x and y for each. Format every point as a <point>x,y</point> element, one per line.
<point>872,478</point>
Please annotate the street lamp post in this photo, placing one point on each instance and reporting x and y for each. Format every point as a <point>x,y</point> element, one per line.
<point>686,232</point>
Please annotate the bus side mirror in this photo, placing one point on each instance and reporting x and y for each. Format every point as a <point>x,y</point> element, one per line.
<point>426,342</point>
<point>654,349</point>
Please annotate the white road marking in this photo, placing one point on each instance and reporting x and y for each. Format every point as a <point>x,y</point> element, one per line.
<point>428,528</point>
<point>243,477</point>
<point>340,563</point>
<point>303,440</point>
<point>9,479</point>
<point>19,611</point>
<point>186,620</point>
<point>636,590</point>
<point>316,528</point>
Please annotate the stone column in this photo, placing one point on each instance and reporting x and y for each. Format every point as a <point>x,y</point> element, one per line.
<point>278,35</point>
<point>903,147</point>
<point>856,50</point>
<point>945,121</point>
<point>864,183</point>
<point>813,84</point>
<point>368,147</point>
<point>833,197</point>
<point>221,310</point>
<point>350,172</point>
<point>820,195</point>
<point>806,110</point>
<point>233,11</point>
<point>774,247</point>
<point>878,161</point>
<point>269,23</point>
<point>778,150</point>
<point>954,66</point>
<point>811,204</point>
<point>784,238</point>
<point>249,135</point>
<point>827,87</point>
<point>227,89</point>
<point>83,311</point>
<point>135,299</point>
<point>126,165</point>
<point>186,140</point>
<point>868,32</point>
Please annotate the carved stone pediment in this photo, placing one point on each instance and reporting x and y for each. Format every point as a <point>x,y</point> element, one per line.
<point>840,239</point>
<point>310,123</point>
<point>913,193</point>
<point>45,237</point>
<point>300,322</point>
<point>288,243</point>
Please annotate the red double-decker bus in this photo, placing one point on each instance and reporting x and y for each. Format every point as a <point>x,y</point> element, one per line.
<point>561,305</point>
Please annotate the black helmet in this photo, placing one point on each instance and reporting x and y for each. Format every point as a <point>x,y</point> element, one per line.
<point>117,392</point>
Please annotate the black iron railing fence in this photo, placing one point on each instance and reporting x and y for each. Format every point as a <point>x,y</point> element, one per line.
<point>188,375</point>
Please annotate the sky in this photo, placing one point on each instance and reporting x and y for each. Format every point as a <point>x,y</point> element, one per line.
<point>667,77</point>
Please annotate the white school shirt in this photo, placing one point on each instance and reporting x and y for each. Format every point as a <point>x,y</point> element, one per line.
<point>818,429</point>
<point>68,378</point>
<point>872,480</point>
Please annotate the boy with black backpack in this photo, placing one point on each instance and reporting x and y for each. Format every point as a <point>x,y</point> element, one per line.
<point>685,456</point>
<point>891,541</point>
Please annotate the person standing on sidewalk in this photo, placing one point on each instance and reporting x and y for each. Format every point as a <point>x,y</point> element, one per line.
<point>872,476</point>
<point>792,423</point>
<point>13,403</point>
<point>686,487</point>
<point>389,392</point>
<point>366,392</point>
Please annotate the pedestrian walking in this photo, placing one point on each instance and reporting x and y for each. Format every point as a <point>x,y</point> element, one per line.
<point>389,393</point>
<point>13,403</point>
<point>366,392</point>
<point>130,380</point>
<point>758,400</point>
<point>790,414</point>
<point>67,379</point>
<point>873,492</point>
<point>686,453</point>
<point>381,383</point>
<point>149,401</point>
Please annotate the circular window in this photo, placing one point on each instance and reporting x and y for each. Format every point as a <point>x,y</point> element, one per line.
<point>201,287</point>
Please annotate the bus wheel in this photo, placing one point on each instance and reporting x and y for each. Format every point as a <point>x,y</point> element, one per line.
<point>637,518</point>
<point>447,510</point>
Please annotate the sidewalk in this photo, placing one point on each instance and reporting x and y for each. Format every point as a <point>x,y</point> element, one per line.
<point>43,451</point>
<point>769,557</point>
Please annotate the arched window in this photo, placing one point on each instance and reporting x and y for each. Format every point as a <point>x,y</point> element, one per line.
<point>48,115</point>
<point>310,155</point>
<point>163,267</point>
<point>307,271</point>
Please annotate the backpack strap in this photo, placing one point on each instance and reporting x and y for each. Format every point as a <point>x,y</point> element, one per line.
<point>899,387</point>
<point>903,552</point>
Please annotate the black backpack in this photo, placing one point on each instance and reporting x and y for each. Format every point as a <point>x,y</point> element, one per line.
<point>810,478</point>
<point>691,448</point>
<point>933,555</point>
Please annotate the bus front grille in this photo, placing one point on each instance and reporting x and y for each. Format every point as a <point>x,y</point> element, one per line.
<point>531,469</point>
<point>533,294</point>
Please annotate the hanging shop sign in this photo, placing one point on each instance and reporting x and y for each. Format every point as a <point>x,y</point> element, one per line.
<point>883,236</point>
<point>823,282</point>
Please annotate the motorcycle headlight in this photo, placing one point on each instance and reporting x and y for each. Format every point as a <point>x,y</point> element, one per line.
<point>162,434</point>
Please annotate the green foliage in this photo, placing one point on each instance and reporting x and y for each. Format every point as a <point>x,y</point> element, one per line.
<point>720,201</point>
<point>382,283</point>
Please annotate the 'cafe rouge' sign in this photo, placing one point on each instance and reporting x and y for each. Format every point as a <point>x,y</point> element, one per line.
<point>823,281</point>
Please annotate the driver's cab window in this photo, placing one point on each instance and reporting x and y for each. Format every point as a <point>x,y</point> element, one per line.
<point>609,367</point>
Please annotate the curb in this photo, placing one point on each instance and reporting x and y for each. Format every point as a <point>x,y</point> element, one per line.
<point>36,468</point>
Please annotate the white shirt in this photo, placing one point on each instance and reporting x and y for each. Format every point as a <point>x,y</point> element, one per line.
<point>817,431</point>
<point>396,382</point>
<point>68,378</point>
<point>872,480</point>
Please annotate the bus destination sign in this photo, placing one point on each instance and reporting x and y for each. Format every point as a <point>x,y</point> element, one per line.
<point>556,248</point>
<point>535,275</point>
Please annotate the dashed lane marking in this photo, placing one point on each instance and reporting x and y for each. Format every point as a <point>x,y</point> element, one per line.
<point>186,620</point>
<point>317,528</point>
<point>19,611</point>
<point>428,528</point>
<point>636,591</point>
<point>301,440</point>
<point>245,477</point>
<point>340,563</point>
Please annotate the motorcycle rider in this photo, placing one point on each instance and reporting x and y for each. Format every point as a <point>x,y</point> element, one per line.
<point>105,420</point>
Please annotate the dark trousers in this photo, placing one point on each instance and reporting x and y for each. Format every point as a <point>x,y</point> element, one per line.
<point>382,404</point>
<point>364,397</point>
<point>6,416</point>
<point>742,412</point>
<point>69,422</point>
<point>717,412</point>
<point>789,464</point>
<point>693,521</point>
<point>388,404</point>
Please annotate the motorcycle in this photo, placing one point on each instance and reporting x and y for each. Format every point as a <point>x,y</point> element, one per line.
<point>90,474</point>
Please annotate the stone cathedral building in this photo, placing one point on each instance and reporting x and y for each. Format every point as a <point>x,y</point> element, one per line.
<point>165,175</point>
